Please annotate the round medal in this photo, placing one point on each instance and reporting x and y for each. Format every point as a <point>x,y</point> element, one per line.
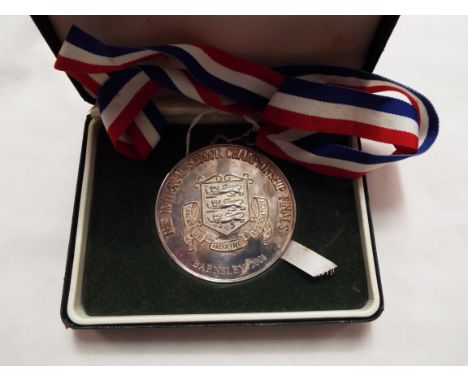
<point>225,213</point>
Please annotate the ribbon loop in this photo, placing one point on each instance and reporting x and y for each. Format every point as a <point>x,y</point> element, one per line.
<point>317,107</point>
<point>125,103</point>
<point>307,111</point>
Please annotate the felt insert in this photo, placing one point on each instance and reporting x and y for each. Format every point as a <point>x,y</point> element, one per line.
<point>128,272</point>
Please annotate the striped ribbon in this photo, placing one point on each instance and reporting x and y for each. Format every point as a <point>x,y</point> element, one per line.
<point>308,113</point>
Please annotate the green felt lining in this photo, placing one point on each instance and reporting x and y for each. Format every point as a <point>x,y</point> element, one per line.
<point>127,271</point>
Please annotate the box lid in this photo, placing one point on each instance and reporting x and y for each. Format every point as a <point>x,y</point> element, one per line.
<point>351,41</point>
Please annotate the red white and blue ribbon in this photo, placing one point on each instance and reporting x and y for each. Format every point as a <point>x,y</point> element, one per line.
<point>307,112</point>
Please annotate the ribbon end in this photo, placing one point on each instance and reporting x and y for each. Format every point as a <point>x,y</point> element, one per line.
<point>308,261</point>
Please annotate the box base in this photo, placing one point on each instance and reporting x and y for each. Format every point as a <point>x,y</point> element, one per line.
<point>118,273</point>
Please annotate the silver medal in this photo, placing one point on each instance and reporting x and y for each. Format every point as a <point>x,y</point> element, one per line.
<point>225,213</point>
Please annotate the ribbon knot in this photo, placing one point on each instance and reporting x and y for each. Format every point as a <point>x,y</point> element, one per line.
<point>306,112</point>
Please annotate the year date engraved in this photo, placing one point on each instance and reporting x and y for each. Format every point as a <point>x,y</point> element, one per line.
<point>234,269</point>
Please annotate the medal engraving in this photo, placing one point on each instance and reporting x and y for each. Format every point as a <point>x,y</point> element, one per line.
<point>225,213</point>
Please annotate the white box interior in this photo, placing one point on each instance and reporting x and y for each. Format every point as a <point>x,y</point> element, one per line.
<point>269,40</point>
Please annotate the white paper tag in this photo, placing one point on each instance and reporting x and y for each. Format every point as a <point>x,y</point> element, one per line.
<point>307,260</point>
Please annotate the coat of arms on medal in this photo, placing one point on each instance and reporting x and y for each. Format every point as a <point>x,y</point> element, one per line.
<point>228,217</point>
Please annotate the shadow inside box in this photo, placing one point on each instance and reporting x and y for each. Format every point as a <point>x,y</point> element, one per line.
<point>385,189</point>
<point>348,334</point>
